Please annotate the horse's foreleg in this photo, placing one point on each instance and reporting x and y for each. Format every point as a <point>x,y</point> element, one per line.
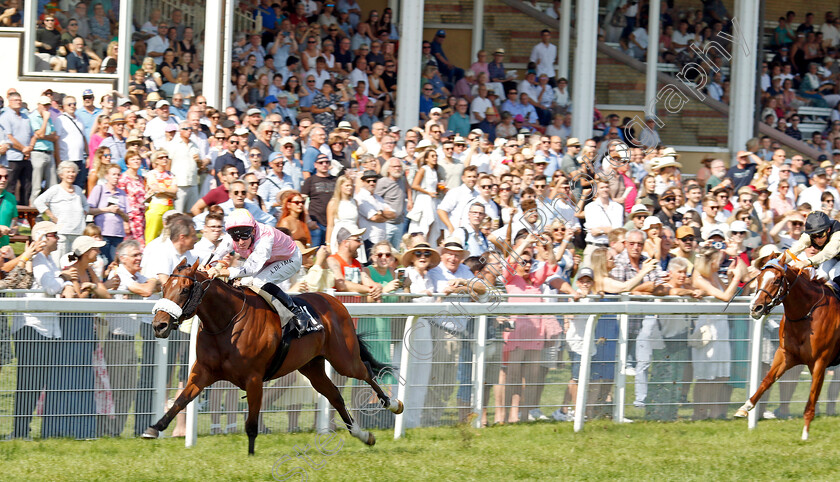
<point>314,371</point>
<point>254,392</point>
<point>197,382</point>
<point>817,377</point>
<point>780,365</point>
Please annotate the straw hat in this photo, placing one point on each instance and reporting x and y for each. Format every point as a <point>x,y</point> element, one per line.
<point>452,244</point>
<point>409,256</point>
<point>670,152</point>
<point>661,162</point>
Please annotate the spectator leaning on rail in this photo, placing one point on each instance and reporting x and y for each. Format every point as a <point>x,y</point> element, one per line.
<point>118,349</point>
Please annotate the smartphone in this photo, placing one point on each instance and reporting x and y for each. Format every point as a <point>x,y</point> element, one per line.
<point>401,276</point>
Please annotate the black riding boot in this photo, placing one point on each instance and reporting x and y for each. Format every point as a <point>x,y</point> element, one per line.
<point>301,316</point>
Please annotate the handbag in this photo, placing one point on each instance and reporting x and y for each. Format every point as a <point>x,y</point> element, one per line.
<point>618,19</point>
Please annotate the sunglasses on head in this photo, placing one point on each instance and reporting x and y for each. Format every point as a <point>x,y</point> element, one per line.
<point>240,233</point>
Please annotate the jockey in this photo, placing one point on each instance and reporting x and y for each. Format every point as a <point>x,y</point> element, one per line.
<point>270,258</point>
<point>824,234</point>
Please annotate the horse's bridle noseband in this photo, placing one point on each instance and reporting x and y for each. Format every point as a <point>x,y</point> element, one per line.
<point>191,305</point>
<point>784,290</point>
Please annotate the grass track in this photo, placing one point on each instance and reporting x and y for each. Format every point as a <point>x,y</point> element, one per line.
<point>714,450</point>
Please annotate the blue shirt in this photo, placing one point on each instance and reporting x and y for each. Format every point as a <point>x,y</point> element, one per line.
<point>17,126</point>
<point>88,119</point>
<point>459,124</point>
<point>309,157</point>
<point>269,19</point>
<point>426,104</point>
<point>36,121</point>
<point>293,168</point>
<point>271,186</point>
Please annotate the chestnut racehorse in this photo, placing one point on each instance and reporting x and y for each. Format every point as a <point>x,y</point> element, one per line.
<point>809,333</point>
<point>239,340</point>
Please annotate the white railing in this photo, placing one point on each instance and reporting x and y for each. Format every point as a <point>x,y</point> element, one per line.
<point>413,312</point>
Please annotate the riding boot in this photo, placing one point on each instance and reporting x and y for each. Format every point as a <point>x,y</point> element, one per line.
<point>300,316</point>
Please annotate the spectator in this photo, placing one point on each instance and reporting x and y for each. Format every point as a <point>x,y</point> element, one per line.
<point>119,350</point>
<point>374,211</point>
<point>544,54</point>
<point>710,352</point>
<point>65,205</point>
<point>319,189</point>
<point>162,189</point>
<point>43,155</point>
<point>78,60</point>
<point>157,45</point>
<point>293,216</point>
<point>134,186</point>
<point>447,68</point>
<point>211,236</point>
<point>186,162</point>
<point>112,204</point>
<point>524,344</point>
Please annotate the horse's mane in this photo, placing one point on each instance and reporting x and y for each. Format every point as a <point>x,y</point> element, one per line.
<point>810,274</point>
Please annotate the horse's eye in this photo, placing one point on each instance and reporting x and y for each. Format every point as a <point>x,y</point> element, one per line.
<point>185,291</point>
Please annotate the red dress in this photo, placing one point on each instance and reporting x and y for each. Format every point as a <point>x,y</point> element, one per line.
<point>135,187</point>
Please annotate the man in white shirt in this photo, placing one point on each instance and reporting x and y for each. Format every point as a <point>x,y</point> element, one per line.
<point>156,128</point>
<point>374,212</point>
<point>211,236</point>
<point>359,74</point>
<point>470,235</point>
<point>372,143</point>
<point>479,106</point>
<point>320,72</point>
<point>120,352</point>
<point>72,144</point>
<point>186,161</point>
<point>682,38</point>
<point>157,45</point>
<point>454,203</point>
<point>544,55</point>
<point>602,216</point>
<point>813,194</point>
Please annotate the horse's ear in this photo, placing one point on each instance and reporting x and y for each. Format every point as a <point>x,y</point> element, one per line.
<point>194,266</point>
<point>183,262</point>
<point>783,259</point>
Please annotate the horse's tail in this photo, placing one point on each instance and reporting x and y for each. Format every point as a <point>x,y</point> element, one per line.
<point>367,356</point>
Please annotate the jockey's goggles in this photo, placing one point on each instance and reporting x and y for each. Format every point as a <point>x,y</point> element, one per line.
<point>241,232</point>
<point>821,234</point>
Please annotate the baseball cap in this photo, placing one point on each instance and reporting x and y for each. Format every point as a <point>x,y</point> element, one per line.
<point>269,99</point>
<point>540,160</point>
<point>343,234</point>
<point>87,92</point>
<point>241,131</point>
<point>715,232</point>
<point>42,228</point>
<point>170,127</point>
<point>738,226</point>
<point>440,33</point>
<point>684,231</point>
<point>253,111</point>
<point>44,100</point>
<point>287,140</point>
<point>83,244</point>
<point>161,103</point>
<point>651,221</point>
<point>518,118</point>
<point>585,271</point>
<point>123,101</point>
<point>274,155</point>
<point>820,171</point>
<point>394,129</point>
<point>435,110</point>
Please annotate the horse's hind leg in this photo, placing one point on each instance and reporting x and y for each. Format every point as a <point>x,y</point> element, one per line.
<point>781,364</point>
<point>314,371</point>
<point>817,377</point>
<point>197,382</point>
<point>393,405</point>
<point>254,392</point>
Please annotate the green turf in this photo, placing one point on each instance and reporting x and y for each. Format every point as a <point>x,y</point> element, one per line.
<point>720,450</point>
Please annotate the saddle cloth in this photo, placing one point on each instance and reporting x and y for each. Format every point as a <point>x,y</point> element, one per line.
<point>285,315</point>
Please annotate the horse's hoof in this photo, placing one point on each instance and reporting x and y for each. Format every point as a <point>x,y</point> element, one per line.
<point>371,440</point>
<point>150,433</point>
<point>400,408</point>
<point>741,413</point>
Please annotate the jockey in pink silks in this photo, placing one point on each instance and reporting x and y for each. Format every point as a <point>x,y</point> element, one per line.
<point>271,257</point>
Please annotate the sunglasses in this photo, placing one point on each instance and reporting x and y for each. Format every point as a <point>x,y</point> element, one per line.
<point>526,261</point>
<point>295,202</point>
<point>383,255</point>
<point>108,155</point>
<point>239,193</point>
<point>253,183</point>
<point>797,223</point>
<point>739,233</point>
<point>485,186</point>
<point>819,235</point>
<point>506,189</point>
<point>687,239</point>
<point>665,199</point>
<point>254,155</point>
<point>423,254</point>
<point>240,233</point>
<point>322,162</point>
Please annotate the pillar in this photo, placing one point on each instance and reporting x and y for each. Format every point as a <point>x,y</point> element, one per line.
<point>563,44</point>
<point>124,51</point>
<point>228,56</point>
<point>408,76</point>
<point>583,81</point>
<point>477,29</point>
<point>743,72</point>
<point>652,57</point>
<point>211,88</point>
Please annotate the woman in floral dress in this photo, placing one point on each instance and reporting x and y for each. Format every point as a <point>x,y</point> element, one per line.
<point>135,187</point>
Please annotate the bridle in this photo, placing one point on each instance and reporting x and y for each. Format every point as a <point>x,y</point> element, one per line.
<point>197,293</point>
<point>784,290</point>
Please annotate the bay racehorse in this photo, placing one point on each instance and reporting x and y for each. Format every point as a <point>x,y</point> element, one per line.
<point>809,333</point>
<point>241,340</point>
